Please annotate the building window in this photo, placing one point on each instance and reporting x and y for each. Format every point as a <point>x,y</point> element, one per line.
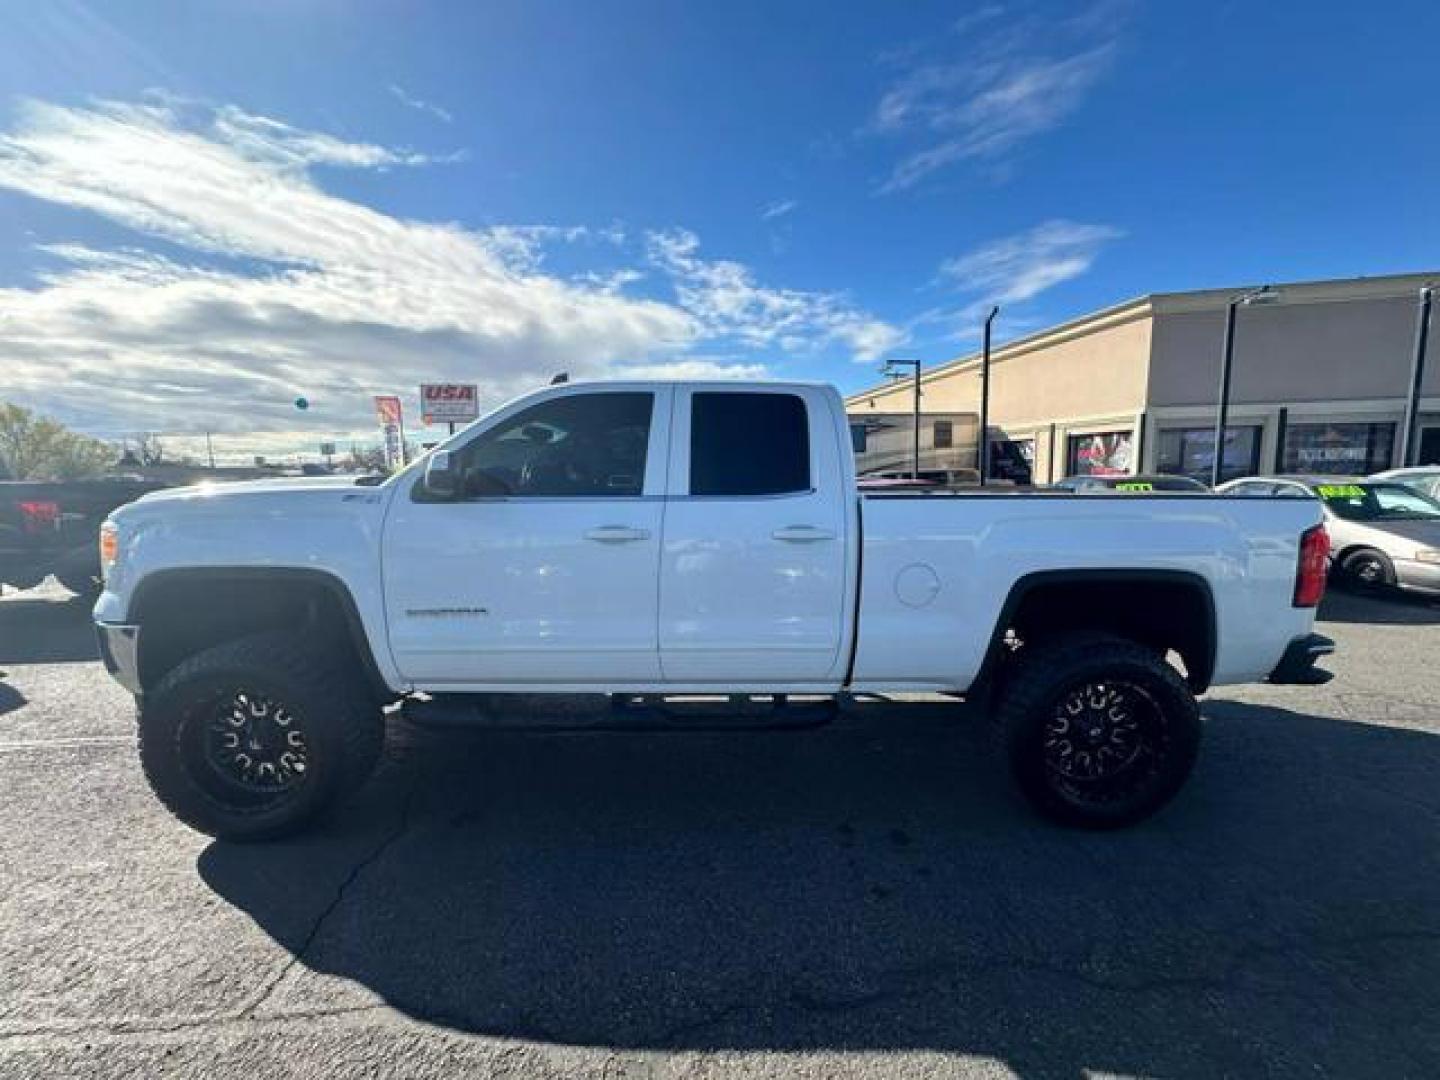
<point>1338,448</point>
<point>1104,453</point>
<point>748,444</point>
<point>1191,452</point>
<point>944,434</point>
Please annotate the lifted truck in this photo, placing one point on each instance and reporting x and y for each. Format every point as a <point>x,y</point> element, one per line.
<point>684,538</point>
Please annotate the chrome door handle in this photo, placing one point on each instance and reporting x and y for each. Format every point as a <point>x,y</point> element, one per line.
<point>617,534</point>
<point>802,534</point>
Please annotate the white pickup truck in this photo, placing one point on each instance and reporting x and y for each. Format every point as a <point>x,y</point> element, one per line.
<point>677,539</point>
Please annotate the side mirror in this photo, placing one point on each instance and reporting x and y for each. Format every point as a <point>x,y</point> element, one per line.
<point>441,481</point>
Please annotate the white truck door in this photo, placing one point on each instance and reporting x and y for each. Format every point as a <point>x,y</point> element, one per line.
<point>543,569</point>
<point>752,571</point>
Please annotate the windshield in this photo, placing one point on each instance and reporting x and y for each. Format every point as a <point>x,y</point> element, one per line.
<point>1378,502</point>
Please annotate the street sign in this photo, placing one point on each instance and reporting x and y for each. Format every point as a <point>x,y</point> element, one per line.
<point>387,411</point>
<point>327,449</point>
<point>449,403</point>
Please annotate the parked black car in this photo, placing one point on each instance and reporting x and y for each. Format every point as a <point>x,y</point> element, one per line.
<point>51,528</point>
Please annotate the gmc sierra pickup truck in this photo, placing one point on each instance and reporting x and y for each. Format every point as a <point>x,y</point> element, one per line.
<point>678,539</point>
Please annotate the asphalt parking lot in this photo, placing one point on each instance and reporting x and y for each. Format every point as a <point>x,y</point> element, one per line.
<point>864,899</point>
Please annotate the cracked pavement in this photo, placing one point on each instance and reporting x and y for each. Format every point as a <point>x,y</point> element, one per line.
<point>865,899</point>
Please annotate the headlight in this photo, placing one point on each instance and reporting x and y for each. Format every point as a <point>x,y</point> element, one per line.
<point>1431,555</point>
<point>110,547</point>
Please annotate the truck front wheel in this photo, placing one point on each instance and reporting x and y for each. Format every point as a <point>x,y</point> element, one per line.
<point>252,738</point>
<point>1098,731</point>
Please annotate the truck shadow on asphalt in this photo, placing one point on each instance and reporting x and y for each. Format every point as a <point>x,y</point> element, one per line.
<point>874,886</point>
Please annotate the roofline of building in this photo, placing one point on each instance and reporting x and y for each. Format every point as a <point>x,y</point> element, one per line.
<point>1330,290</point>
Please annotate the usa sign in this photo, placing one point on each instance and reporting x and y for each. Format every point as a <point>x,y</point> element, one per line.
<point>448,403</point>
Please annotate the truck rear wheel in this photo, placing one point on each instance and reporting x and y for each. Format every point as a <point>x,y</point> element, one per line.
<point>252,738</point>
<point>1098,731</point>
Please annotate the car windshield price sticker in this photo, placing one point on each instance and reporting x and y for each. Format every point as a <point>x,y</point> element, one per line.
<point>1340,491</point>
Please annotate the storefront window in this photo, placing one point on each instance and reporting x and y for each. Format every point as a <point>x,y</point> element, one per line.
<point>1338,448</point>
<point>1012,459</point>
<point>944,434</point>
<point>1191,452</point>
<point>1105,453</point>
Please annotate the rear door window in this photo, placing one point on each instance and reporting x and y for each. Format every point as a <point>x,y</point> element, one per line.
<point>748,444</point>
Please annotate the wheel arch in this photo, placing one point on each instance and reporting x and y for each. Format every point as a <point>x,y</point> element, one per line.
<point>1350,549</point>
<point>1168,609</point>
<point>263,598</point>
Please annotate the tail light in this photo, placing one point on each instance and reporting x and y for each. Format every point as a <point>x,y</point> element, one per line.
<point>1314,566</point>
<point>38,516</point>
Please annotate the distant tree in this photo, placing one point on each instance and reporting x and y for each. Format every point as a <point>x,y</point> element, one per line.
<point>363,459</point>
<point>37,448</point>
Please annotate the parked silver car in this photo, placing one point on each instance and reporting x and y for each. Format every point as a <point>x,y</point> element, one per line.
<point>1382,533</point>
<point>1423,478</point>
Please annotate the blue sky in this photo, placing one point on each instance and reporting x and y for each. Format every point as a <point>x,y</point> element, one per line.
<point>207,208</point>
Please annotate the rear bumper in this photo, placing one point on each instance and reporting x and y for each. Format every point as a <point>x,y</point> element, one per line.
<point>1297,666</point>
<point>120,652</point>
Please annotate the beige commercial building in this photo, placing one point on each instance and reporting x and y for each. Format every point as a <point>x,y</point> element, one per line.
<point>1319,384</point>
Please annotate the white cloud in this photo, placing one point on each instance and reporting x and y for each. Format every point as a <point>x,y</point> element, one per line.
<point>777,209</point>
<point>728,303</point>
<point>247,284</point>
<point>1020,267</point>
<point>284,288</point>
<point>1010,84</point>
<point>420,105</point>
<point>976,17</point>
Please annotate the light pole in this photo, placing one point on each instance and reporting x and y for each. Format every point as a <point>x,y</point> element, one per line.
<point>985,399</point>
<point>892,369</point>
<point>1409,433</point>
<point>1265,294</point>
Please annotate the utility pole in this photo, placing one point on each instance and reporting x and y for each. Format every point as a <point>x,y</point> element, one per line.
<point>1409,432</point>
<point>984,448</point>
<point>210,451</point>
<point>1264,294</point>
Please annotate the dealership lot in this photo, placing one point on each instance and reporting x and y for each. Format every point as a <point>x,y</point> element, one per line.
<point>867,898</point>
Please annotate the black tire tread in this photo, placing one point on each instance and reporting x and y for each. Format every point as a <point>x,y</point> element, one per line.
<point>361,735</point>
<point>1044,666</point>
<point>1350,578</point>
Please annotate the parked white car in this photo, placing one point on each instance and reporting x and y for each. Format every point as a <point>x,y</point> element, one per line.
<point>1383,534</point>
<point>1423,478</point>
<point>658,538</point>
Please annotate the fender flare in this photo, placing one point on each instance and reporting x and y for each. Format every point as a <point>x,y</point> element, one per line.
<point>298,577</point>
<point>1198,680</point>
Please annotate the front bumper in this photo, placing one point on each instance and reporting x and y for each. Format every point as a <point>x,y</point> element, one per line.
<point>1415,576</point>
<point>120,651</point>
<point>1297,666</point>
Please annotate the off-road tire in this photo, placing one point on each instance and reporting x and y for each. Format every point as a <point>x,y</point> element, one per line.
<point>339,723</point>
<point>1032,704</point>
<point>1367,570</point>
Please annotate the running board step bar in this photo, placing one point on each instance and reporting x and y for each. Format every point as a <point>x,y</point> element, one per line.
<point>625,712</point>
